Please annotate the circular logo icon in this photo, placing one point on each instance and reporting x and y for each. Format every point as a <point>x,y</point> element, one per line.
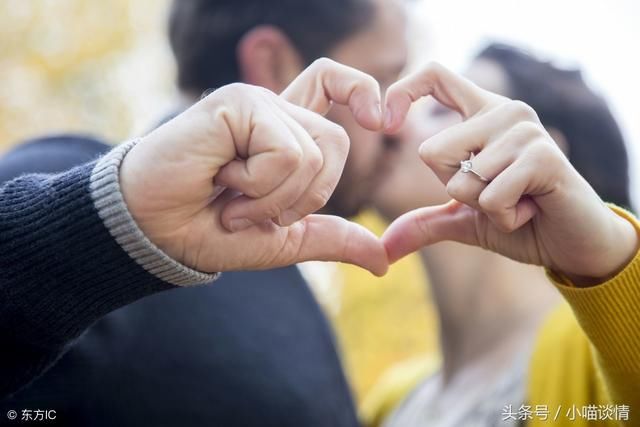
<point>12,415</point>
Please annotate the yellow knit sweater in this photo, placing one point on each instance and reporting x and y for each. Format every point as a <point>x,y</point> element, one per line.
<point>585,368</point>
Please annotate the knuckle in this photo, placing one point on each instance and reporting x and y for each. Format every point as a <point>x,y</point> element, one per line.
<point>258,188</point>
<point>315,161</point>
<point>488,201</point>
<point>342,149</point>
<point>544,156</point>
<point>430,152</point>
<point>527,127</point>
<point>432,68</point>
<point>341,141</point>
<point>318,199</point>
<point>521,110</point>
<point>291,157</point>
<point>235,89</point>
<point>337,133</point>
<point>508,226</point>
<point>322,64</point>
<point>503,222</point>
<point>525,131</point>
<point>238,92</point>
<point>271,211</point>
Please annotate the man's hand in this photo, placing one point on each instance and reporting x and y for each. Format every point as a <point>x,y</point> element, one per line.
<point>229,184</point>
<point>533,207</point>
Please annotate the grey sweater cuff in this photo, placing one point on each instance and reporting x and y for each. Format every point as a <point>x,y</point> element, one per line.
<point>109,202</point>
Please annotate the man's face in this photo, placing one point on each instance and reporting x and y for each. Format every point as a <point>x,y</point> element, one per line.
<point>379,50</point>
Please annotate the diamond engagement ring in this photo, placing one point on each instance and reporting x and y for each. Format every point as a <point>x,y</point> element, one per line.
<point>466,166</point>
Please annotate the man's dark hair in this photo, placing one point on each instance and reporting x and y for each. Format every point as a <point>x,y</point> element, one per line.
<point>564,101</point>
<point>204,34</point>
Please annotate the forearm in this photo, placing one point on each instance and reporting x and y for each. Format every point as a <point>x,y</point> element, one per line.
<point>609,314</point>
<point>69,254</point>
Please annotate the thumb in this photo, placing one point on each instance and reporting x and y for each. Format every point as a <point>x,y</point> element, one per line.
<point>331,238</point>
<point>426,226</point>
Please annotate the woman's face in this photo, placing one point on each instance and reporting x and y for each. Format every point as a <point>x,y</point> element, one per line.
<point>411,184</point>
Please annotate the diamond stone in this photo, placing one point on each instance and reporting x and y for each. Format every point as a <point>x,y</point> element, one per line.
<point>466,166</point>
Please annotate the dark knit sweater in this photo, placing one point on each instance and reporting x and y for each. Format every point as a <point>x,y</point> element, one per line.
<point>70,254</point>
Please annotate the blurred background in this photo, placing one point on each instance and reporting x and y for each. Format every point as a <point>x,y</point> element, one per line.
<point>104,68</point>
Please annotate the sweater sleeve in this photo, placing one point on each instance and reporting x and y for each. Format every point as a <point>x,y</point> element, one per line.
<point>609,315</point>
<point>70,253</point>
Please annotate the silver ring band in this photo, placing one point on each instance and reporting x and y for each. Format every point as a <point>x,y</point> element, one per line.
<point>466,166</point>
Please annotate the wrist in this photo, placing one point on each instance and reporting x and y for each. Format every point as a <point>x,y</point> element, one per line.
<point>623,248</point>
<point>107,191</point>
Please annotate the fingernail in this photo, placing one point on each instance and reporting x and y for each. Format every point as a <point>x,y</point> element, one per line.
<point>388,117</point>
<point>289,217</point>
<point>239,224</point>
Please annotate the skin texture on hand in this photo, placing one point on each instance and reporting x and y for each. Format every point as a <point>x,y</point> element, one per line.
<point>232,182</point>
<point>535,208</point>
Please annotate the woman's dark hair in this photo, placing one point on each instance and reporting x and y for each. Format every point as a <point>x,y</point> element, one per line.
<point>204,34</point>
<point>564,101</point>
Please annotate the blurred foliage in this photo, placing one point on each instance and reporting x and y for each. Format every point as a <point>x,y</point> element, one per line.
<point>98,67</point>
<point>64,65</point>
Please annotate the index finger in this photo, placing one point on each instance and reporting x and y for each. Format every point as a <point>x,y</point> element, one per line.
<point>326,81</point>
<point>449,88</point>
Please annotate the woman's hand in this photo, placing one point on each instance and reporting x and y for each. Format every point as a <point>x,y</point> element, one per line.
<point>521,198</point>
